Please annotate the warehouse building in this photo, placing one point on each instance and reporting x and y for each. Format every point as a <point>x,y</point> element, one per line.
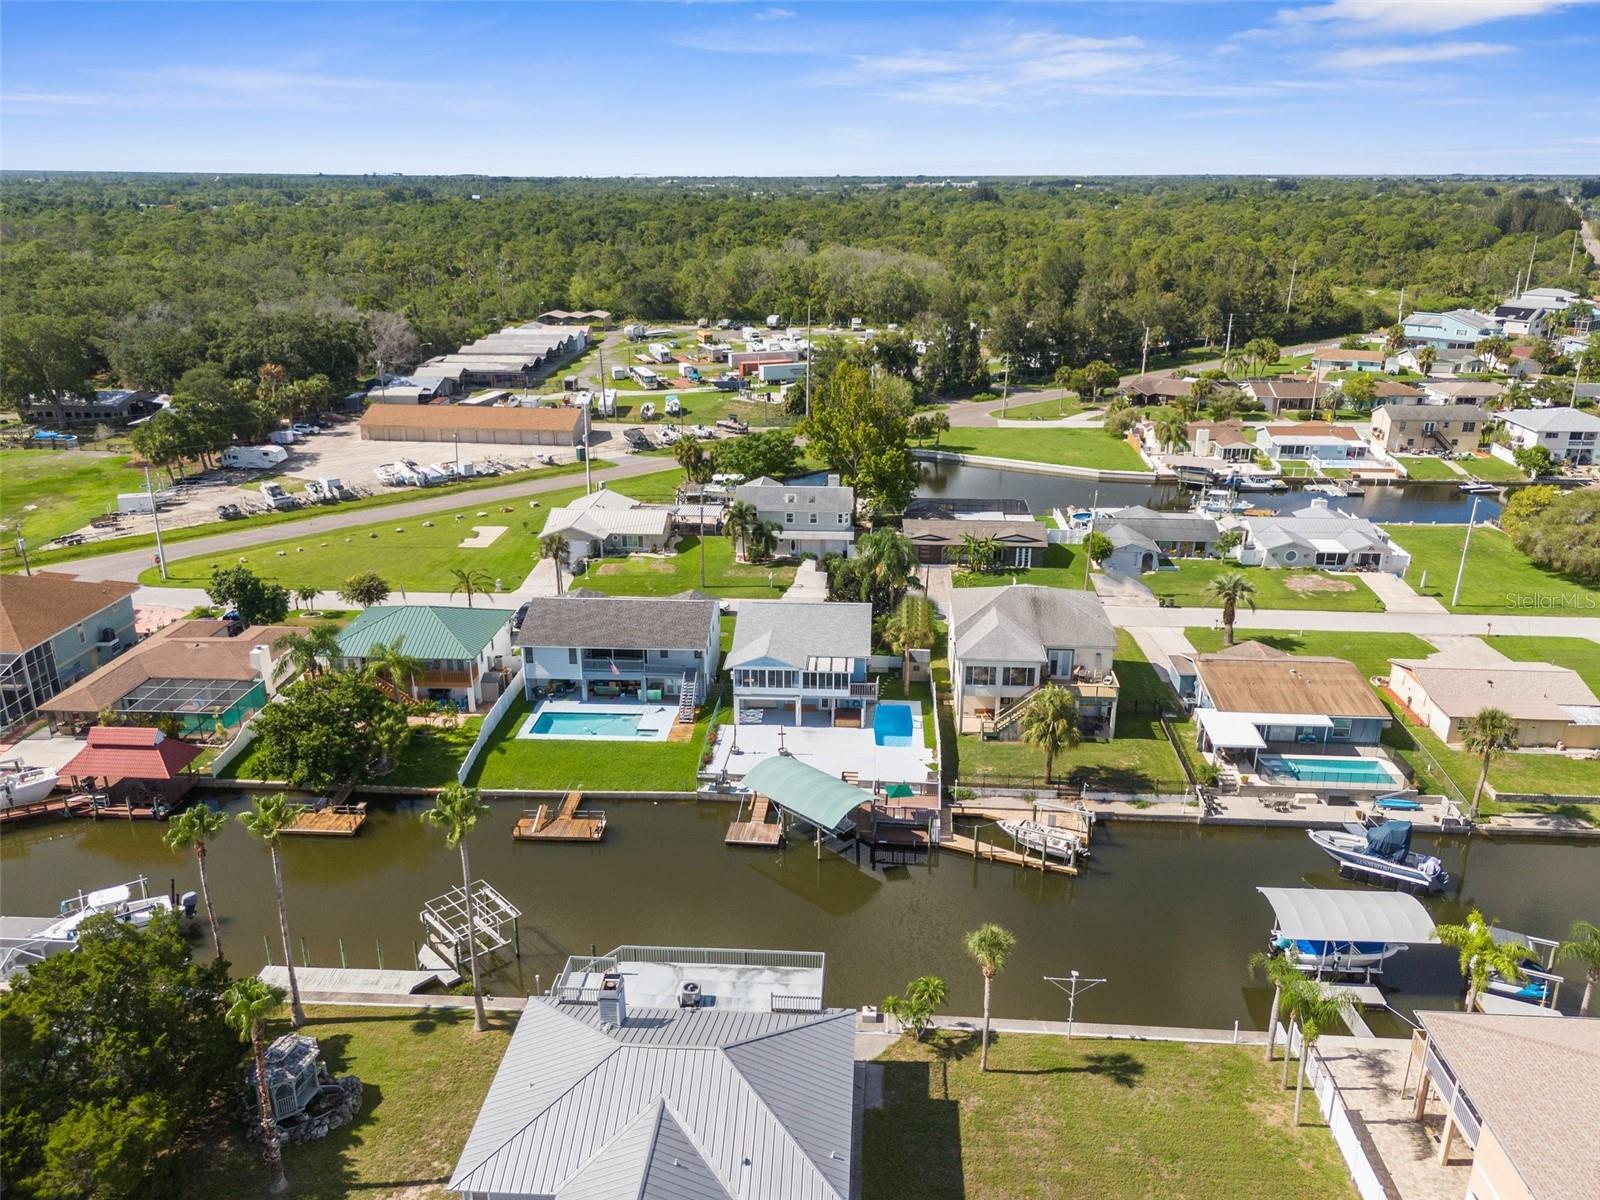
<point>473,423</point>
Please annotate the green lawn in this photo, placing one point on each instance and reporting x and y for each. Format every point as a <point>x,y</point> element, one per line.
<point>1186,586</point>
<point>1580,654</point>
<point>558,763</point>
<point>1091,1118</point>
<point>658,575</point>
<point>415,553</point>
<point>1369,651</point>
<point>1495,470</point>
<point>1529,774</point>
<point>1041,410</point>
<point>1062,568</point>
<point>424,1072</point>
<point>51,492</point>
<point>434,755</point>
<point>1428,468</point>
<point>1069,447</point>
<point>1499,577</point>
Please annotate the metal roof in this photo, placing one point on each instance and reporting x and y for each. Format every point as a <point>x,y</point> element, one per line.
<point>793,633</point>
<point>809,793</point>
<point>772,495</point>
<point>1313,914</point>
<point>424,630</point>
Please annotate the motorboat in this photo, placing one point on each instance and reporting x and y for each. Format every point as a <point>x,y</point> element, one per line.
<point>129,902</point>
<point>25,785</point>
<point>1476,487</point>
<point>1056,842</point>
<point>1317,957</point>
<point>1381,853</point>
<point>1344,931</point>
<point>1221,500</point>
<point>1258,483</point>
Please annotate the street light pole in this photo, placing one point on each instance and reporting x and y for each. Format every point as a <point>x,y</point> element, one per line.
<point>161,554</point>
<point>1072,984</point>
<point>1461,571</point>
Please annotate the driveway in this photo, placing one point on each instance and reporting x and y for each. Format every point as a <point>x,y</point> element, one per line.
<point>1398,596</point>
<point>1122,589</point>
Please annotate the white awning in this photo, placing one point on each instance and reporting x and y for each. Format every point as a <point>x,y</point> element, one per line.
<point>1330,546</point>
<point>1312,914</point>
<point>1304,720</point>
<point>1230,731</point>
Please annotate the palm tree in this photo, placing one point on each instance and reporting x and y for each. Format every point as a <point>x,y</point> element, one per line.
<point>1426,357</point>
<point>312,650</point>
<point>456,810</point>
<point>266,819</point>
<point>1583,946</point>
<point>389,660</point>
<point>976,553</point>
<point>388,732</point>
<point>990,945</point>
<point>1168,424</point>
<point>760,540</point>
<point>1319,1011</point>
<point>1051,723</point>
<point>307,595</point>
<point>1481,955</point>
<point>697,469</point>
<point>742,521</point>
<point>471,580</point>
<point>1488,733</point>
<point>556,548</point>
<point>1231,587</point>
<point>888,565</point>
<point>1282,974</point>
<point>191,830</point>
<point>910,628</point>
<point>251,1003</point>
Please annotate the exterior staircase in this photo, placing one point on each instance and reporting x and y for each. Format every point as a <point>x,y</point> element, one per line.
<point>1013,714</point>
<point>686,699</point>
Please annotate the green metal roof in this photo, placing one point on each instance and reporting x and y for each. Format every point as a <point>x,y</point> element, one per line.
<point>425,630</point>
<point>808,793</point>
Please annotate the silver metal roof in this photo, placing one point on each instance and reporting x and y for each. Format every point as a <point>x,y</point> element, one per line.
<point>793,633</point>
<point>1317,915</point>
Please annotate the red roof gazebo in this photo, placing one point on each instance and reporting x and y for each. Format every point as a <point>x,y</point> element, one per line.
<point>145,766</point>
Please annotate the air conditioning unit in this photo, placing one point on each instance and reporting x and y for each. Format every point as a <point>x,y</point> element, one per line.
<point>689,994</point>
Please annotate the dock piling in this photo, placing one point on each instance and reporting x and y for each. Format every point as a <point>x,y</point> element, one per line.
<point>266,945</point>
<point>344,961</point>
<point>305,959</point>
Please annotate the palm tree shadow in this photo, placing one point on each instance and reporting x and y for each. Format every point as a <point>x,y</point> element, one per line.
<point>1122,1068</point>
<point>946,1047</point>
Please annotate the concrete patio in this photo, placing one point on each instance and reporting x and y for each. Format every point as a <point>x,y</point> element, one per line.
<point>836,751</point>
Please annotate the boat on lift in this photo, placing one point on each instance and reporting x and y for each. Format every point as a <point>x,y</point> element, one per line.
<point>1476,487</point>
<point>1344,932</point>
<point>1220,500</point>
<point>21,784</point>
<point>1381,854</point>
<point>1069,845</point>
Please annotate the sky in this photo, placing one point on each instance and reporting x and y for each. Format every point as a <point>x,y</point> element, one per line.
<point>680,89</point>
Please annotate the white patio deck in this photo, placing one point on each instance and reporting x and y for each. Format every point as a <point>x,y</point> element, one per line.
<point>832,750</point>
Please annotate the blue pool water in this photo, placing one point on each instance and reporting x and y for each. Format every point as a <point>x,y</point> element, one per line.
<point>891,725</point>
<point>1315,769</point>
<point>579,725</point>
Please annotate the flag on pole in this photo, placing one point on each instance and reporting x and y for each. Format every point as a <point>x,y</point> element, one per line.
<point>614,670</point>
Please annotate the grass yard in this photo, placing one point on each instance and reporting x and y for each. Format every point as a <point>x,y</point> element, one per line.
<point>1069,447</point>
<point>1580,654</point>
<point>556,763</point>
<point>1041,410</point>
<point>434,755</point>
<point>1526,774</point>
<point>424,1072</point>
<point>1186,586</point>
<point>1495,470</point>
<point>1428,468</point>
<point>51,492</point>
<point>1369,651</point>
<point>1085,1117</point>
<point>1499,578</point>
<point>1062,568</point>
<point>663,575</point>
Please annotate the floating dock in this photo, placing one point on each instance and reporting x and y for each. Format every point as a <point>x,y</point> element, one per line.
<point>569,823</point>
<point>330,820</point>
<point>757,831</point>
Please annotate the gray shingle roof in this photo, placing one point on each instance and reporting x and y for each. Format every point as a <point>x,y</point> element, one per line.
<point>1019,623</point>
<point>1541,419</point>
<point>770,495</point>
<point>1166,527</point>
<point>794,633</point>
<point>617,622</point>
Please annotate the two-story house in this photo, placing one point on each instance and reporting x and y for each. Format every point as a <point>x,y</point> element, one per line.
<point>1008,642</point>
<point>1568,433</point>
<point>621,647</point>
<point>1428,428</point>
<point>465,652</point>
<point>1458,329</point>
<point>802,664</point>
<point>54,630</point>
<point>811,518</point>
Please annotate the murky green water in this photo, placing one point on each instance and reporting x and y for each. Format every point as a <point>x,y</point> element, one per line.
<point>1167,913</point>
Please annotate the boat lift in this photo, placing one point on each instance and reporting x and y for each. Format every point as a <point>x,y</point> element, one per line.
<point>444,918</point>
<point>1346,933</point>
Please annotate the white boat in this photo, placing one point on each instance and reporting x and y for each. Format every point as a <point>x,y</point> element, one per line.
<point>1056,842</point>
<point>1381,854</point>
<point>1477,487</point>
<point>1336,957</point>
<point>25,785</point>
<point>1221,500</point>
<point>121,902</point>
<point>1256,483</point>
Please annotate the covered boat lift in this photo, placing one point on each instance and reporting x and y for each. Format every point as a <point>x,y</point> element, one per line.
<point>808,794</point>
<point>1348,918</point>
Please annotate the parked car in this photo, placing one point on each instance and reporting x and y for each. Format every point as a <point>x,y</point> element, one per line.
<point>302,429</point>
<point>520,615</point>
<point>229,512</point>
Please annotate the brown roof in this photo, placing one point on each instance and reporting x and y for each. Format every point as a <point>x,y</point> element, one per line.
<point>1535,1082</point>
<point>1393,387</point>
<point>1255,677</point>
<point>470,416</point>
<point>115,753</point>
<point>1283,388</point>
<point>1313,429</point>
<point>1156,385</point>
<point>34,608</point>
<point>1224,433</point>
<point>167,656</point>
<point>936,531</point>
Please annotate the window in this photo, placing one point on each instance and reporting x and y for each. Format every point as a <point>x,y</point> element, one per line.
<point>841,518</point>
<point>699,654</point>
<point>572,656</point>
<point>980,676</point>
<point>1019,676</point>
<point>813,518</point>
<point>788,518</point>
<point>1468,426</point>
<point>663,654</point>
<point>1341,729</point>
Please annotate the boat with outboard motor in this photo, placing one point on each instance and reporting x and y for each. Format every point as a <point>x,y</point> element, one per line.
<point>1381,853</point>
<point>1055,841</point>
<point>25,941</point>
<point>1344,932</point>
<point>21,784</point>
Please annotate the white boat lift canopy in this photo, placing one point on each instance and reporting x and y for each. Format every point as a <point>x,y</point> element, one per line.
<point>1316,915</point>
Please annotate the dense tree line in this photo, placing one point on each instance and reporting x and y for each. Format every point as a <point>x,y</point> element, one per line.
<point>141,279</point>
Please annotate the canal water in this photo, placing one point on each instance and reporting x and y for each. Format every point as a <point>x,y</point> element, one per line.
<point>1410,501</point>
<point>1166,912</point>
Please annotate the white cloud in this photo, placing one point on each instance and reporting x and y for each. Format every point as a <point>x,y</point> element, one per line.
<point>772,14</point>
<point>1366,57</point>
<point>1416,16</point>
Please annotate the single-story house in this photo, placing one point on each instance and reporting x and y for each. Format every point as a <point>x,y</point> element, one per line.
<point>1393,391</point>
<point>1253,696</point>
<point>987,508</point>
<point>1285,392</point>
<point>620,646</point>
<point>54,630</point>
<point>660,1071</point>
<point>1154,389</point>
<point>1146,540</point>
<point>1570,434</point>
<point>1551,704</point>
<point>1226,440</point>
<point>466,652</point>
<point>1322,537</point>
<point>605,523</point>
<point>1462,391</point>
<point>112,406</point>
<point>1007,642</point>
<point>196,671</point>
<point>1018,544</point>
<point>811,518</point>
<point>1458,329</point>
<point>802,663</point>
<point>518,426</point>
<point>1445,362</point>
<point>1347,360</point>
<point>1320,441</point>
<point>1428,428</point>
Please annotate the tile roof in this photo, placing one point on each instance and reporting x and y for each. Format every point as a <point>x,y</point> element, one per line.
<point>1254,677</point>
<point>34,608</point>
<point>1020,623</point>
<point>619,622</point>
<point>424,631</point>
<point>116,752</point>
<point>794,633</point>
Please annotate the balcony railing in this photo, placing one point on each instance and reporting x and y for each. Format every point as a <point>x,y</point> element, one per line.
<point>1106,687</point>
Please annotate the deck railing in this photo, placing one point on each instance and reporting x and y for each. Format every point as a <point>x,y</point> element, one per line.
<point>781,1003</point>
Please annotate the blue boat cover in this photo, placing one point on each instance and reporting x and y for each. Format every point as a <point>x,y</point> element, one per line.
<point>1391,840</point>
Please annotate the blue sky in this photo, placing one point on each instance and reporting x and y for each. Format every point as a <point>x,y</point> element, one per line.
<point>1343,86</point>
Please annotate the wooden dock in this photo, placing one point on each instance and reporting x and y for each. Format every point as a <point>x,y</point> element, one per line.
<point>330,820</point>
<point>962,844</point>
<point>569,823</point>
<point>77,805</point>
<point>757,831</point>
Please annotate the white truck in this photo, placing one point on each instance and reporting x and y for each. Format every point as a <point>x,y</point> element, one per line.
<point>254,458</point>
<point>774,321</point>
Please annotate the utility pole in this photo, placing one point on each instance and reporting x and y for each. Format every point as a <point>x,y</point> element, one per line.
<point>1005,386</point>
<point>1072,984</point>
<point>601,348</point>
<point>1461,571</point>
<point>1400,308</point>
<point>1572,255</point>
<point>808,372</point>
<point>1086,558</point>
<point>161,554</point>
<point>1144,353</point>
<point>1529,282</point>
<point>1289,303</point>
<point>22,549</point>
<point>1227,341</point>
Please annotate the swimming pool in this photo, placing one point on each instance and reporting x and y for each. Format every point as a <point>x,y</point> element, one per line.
<point>892,725</point>
<point>1313,768</point>
<point>616,723</point>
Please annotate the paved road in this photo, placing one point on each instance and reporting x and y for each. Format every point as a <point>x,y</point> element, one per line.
<point>1422,624</point>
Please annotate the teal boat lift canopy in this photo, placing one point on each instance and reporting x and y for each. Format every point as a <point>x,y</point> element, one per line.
<point>804,791</point>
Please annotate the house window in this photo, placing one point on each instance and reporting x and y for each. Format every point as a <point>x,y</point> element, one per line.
<point>1019,677</point>
<point>813,518</point>
<point>841,518</point>
<point>572,656</point>
<point>1341,729</point>
<point>663,653</point>
<point>980,676</point>
<point>788,518</point>
<point>1468,426</point>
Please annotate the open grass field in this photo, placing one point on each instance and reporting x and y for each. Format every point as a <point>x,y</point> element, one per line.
<point>663,575</point>
<point>1495,470</point>
<point>424,1072</point>
<point>415,553</point>
<point>1369,651</point>
<point>1187,585</point>
<point>1086,1118</point>
<point>1062,567</point>
<point>1041,410</point>
<point>1580,654</point>
<point>51,492</point>
<point>1069,447</point>
<point>1499,577</point>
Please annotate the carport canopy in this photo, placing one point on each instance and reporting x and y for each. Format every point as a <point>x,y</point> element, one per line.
<point>1312,914</point>
<point>1230,731</point>
<point>804,791</point>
